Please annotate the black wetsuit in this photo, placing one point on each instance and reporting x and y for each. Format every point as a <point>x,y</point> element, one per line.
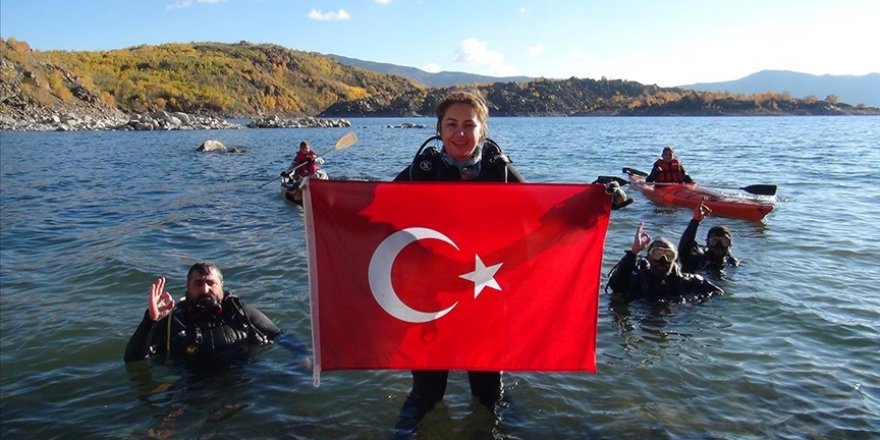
<point>694,256</point>
<point>495,166</point>
<point>429,386</point>
<point>193,332</point>
<point>635,280</point>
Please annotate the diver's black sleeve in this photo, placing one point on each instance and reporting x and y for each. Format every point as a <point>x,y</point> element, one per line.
<point>138,347</point>
<point>402,176</point>
<point>693,284</point>
<point>261,321</point>
<point>689,252</point>
<point>622,277</point>
<point>513,175</point>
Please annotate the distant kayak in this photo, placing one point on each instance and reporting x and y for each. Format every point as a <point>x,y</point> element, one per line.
<point>689,195</point>
<point>291,188</point>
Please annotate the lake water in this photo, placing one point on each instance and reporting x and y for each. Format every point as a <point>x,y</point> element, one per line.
<point>88,220</point>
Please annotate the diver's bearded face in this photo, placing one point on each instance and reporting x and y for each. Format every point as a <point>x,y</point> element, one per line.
<point>204,288</point>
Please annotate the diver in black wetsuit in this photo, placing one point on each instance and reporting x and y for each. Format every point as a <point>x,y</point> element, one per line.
<point>209,323</point>
<point>658,278</point>
<point>715,255</point>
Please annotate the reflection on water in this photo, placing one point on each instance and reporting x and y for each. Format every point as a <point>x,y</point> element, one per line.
<point>88,220</point>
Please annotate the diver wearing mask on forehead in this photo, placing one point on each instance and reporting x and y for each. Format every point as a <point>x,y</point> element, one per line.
<point>715,255</point>
<point>658,277</point>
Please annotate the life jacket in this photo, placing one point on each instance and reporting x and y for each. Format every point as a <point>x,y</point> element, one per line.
<point>199,334</point>
<point>669,172</point>
<point>428,164</point>
<point>309,168</point>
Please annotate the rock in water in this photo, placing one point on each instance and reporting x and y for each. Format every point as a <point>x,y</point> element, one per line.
<point>211,146</point>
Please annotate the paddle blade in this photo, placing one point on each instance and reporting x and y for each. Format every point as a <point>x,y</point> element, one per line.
<point>607,179</point>
<point>761,190</point>
<point>628,170</point>
<point>346,141</point>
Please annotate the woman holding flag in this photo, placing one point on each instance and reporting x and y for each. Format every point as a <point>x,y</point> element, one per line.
<point>466,154</point>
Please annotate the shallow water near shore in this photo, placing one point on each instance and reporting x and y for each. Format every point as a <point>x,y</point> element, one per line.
<point>89,219</point>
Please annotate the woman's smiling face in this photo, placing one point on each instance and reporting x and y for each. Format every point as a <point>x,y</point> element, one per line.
<point>461,131</point>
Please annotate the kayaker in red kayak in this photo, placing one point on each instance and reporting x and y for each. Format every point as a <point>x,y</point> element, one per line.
<point>668,169</point>
<point>715,255</point>
<point>657,278</point>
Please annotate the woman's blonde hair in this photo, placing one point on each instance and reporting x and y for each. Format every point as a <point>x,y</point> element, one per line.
<point>473,99</point>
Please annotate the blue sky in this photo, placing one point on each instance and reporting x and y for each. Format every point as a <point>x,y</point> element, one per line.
<point>669,43</point>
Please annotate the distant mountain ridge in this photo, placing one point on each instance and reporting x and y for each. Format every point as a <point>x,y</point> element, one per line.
<point>439,79</point>
<point>852,89</point>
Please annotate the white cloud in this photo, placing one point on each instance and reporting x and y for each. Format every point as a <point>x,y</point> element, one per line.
<point>382,2</point>
<point>180,4</point>
<point>328,16</point>
<point>535,50</point>
<point>431,68</point>
<point>523,10</point>
<point>477,53</point>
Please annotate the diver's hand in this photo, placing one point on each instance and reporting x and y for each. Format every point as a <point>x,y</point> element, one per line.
<point>160,302</point>
<point>701,211</point>
<point>641,240</point>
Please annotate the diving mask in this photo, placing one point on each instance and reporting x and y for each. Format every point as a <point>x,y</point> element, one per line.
<point>663,254</point>
<point>719,240</point>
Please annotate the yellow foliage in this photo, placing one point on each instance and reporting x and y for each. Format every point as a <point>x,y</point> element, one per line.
<point>107,98</point>
<point>354,93</point>
<point>18,46</point>
<point>58,88</point>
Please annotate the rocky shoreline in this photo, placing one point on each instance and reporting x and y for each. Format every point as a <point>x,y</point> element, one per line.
<point>114,120</point>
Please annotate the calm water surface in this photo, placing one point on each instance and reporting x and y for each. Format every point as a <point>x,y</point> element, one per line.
<point>88,220</point>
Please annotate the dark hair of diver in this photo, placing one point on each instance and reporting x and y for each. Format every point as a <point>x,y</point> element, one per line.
<point>719,230</point>
<point>204,268</point>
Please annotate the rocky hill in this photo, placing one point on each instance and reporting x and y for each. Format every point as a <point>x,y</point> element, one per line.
<point>229,80</point>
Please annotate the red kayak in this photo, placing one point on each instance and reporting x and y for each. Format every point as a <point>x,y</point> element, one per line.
<point>690,195</point>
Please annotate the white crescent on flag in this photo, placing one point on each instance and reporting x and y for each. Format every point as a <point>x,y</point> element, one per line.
<point>380,274</point>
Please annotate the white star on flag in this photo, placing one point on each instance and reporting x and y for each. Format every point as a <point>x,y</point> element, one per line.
<point>483,276</point>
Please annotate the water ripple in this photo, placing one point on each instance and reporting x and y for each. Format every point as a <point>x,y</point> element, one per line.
<point>88,220</point>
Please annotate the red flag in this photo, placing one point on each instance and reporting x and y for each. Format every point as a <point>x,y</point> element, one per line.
<point>455,276</point>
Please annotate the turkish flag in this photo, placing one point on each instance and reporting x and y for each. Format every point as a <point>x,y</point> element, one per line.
<point>455,276</point>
